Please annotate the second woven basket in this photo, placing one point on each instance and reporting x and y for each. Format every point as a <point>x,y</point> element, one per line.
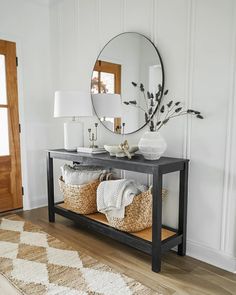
<point>138,215</point>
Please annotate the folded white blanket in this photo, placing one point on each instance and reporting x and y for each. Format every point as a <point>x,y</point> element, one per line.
<point>114,195</point>
<point>80,174</point>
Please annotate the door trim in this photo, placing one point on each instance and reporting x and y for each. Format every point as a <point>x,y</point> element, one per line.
<point>8,49</point>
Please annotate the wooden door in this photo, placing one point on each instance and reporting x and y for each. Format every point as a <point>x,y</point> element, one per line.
<point>10,167</point>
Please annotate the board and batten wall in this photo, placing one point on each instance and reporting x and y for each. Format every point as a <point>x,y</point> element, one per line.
<point>197,41</point>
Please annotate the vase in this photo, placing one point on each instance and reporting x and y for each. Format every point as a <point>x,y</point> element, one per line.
<point>152,145</point>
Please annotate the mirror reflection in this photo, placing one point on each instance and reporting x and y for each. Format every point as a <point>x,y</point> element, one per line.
<point>127,82</point>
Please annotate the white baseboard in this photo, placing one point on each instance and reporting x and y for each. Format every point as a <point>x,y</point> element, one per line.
<point>211,256</point>
<point>34,204</point>
<point>41,202</point>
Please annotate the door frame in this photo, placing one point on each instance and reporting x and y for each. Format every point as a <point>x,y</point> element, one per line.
<point>22,115</point>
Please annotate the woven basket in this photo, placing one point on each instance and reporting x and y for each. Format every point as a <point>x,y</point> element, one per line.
<point>138,215</point>
<point>80,198</point>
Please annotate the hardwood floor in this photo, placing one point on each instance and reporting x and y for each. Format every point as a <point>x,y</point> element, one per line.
<point>179,275</point>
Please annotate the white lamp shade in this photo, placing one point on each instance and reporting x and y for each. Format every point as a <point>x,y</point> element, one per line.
<point>72,104</point>
<point>107,105</point>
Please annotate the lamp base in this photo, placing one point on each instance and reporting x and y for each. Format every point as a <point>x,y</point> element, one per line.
<point>73,135</point>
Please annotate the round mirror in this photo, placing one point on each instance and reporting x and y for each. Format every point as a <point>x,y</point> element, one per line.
<point>127,83</point>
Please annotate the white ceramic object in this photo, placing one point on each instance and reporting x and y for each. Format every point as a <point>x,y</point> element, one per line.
<point>152,145</point>
<point>115,151</point>
<point>73,135</point>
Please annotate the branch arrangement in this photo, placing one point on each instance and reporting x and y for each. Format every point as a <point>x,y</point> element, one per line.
<point>157,112</point>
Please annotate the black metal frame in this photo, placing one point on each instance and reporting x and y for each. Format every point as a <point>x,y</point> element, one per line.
<point>139,164</point>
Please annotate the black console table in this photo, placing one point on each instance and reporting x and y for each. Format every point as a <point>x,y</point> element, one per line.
<point>153,241</point>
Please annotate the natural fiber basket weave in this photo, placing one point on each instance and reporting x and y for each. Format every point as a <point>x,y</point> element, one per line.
<point>80,198</point>
<point>138,215</point>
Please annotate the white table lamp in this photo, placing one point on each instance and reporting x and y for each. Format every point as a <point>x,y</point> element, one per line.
<point>107,105</point>
<point>72,104</point>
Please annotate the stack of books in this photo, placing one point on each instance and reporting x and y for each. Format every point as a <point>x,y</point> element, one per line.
<point>88,150</point>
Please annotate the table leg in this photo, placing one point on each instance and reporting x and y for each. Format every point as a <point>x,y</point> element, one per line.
<point>183,196</point>
<point>51,213</point>
<point>156,220</point>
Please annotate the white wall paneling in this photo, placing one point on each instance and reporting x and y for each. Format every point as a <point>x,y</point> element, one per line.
<point>195,40</point>
<point>228,233</point>
<point>139,16</point>
<point>210,91</point>
<point>110,10</point>
<point>171,21</point>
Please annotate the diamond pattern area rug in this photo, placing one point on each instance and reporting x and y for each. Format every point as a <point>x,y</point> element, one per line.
<point>37,263</point>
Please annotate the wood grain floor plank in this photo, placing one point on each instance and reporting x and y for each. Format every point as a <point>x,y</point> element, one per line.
<point>204,273</point>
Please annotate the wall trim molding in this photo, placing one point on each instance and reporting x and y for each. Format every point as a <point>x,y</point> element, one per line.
<point>60,42</point>
<point>123,16</point>
<point>99,20</point>
<point>228,166</point>
<point>76,28</point>
<point>191,23</point>
<point>153,21</point>
<point>211,256</point>
<point>40,202</point>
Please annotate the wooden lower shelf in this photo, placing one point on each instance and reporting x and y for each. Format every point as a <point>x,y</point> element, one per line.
<point>145,234</point>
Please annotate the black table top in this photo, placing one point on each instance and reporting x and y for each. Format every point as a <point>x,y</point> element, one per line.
<point>137,160</point>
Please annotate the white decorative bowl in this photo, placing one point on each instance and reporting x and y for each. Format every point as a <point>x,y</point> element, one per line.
<point>115,151</point>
